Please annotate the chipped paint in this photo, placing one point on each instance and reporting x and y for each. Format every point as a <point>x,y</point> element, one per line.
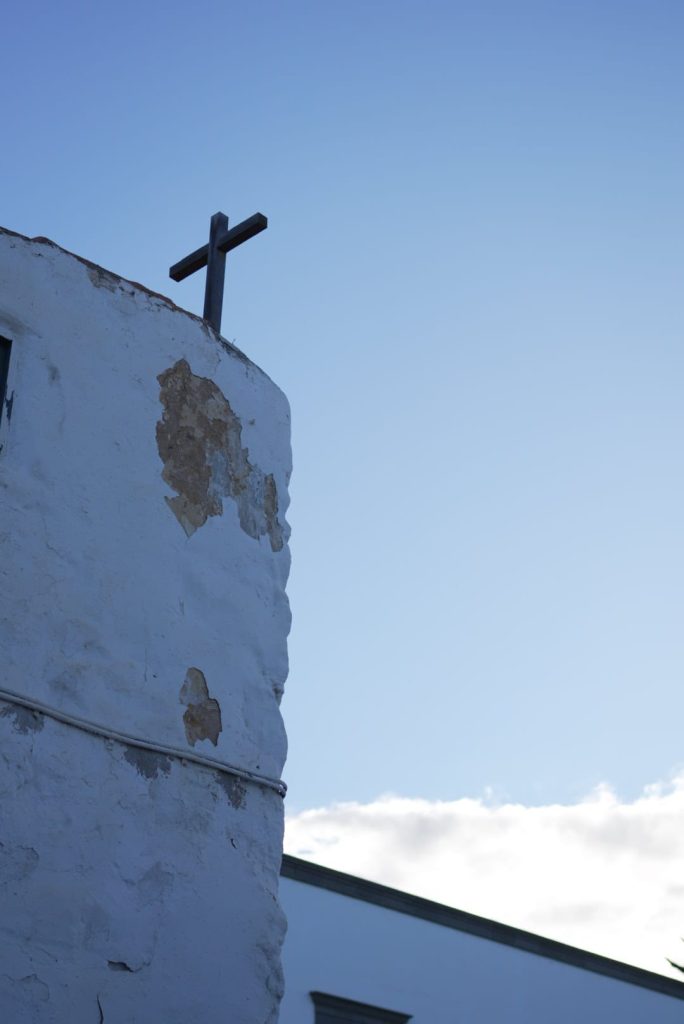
<point>199,438</point>
<point>147,763</point>
<point>202,717</point>
<point>235,790</point>
<point>121,965</point>
<point>24,720</point>
<point>101,278</point>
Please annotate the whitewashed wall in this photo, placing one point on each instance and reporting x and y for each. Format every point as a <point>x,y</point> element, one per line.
<point>143,561</point>
<point>356,950</point>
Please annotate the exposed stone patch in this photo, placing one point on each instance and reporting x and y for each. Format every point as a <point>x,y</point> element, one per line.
<point>24,720</point>
<point>202,718</point>
<point>199,438</point>
<point>147,763</point>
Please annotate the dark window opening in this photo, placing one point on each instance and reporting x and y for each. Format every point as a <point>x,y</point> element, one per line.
<point>335,1010</point>
<point>5,349</point>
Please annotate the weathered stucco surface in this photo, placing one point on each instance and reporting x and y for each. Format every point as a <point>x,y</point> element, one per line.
<point>140,886</point>
<point>143,562</point>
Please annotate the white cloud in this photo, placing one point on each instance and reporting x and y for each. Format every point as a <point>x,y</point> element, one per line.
<point>601,874</point>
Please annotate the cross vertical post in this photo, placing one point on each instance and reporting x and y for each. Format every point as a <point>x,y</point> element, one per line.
<point>213,257</point>
<point>216,272</point>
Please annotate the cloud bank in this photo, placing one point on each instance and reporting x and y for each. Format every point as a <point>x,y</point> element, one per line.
<point>601,874</point>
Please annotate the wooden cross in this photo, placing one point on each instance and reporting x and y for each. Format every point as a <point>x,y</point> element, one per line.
<point>213,257</point>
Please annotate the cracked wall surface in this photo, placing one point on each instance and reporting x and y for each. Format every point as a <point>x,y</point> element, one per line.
<point>143,561</point>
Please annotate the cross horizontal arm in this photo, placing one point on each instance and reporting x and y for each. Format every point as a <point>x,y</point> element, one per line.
<point>232,238</point>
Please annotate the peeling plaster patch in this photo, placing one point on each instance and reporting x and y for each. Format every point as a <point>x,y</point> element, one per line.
<point>199,438</point>
<point>235,790</point>
<point>99,277</point>
<point>147,763</point>
<point>203,715</point>
<point>25,720</point>
<point>120,965</point>
<point>275,530</point>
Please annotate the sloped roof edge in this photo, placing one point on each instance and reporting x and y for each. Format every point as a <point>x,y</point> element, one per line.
<point>448,917</point>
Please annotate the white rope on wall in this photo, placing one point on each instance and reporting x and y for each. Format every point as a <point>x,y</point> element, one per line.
<point>134,741</point>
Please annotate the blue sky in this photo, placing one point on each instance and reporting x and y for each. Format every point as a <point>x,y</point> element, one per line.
<point>470,290</point>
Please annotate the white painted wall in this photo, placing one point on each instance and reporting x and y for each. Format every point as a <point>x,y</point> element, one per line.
<point>355,950</point>
<point>110,856</point>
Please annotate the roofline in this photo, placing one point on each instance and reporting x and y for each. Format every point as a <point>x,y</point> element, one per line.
<point>117,279</point>
<point>460,920</point>
<point>110,274</point>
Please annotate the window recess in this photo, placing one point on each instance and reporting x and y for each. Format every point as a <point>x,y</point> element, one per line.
<point>335,1010</point>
